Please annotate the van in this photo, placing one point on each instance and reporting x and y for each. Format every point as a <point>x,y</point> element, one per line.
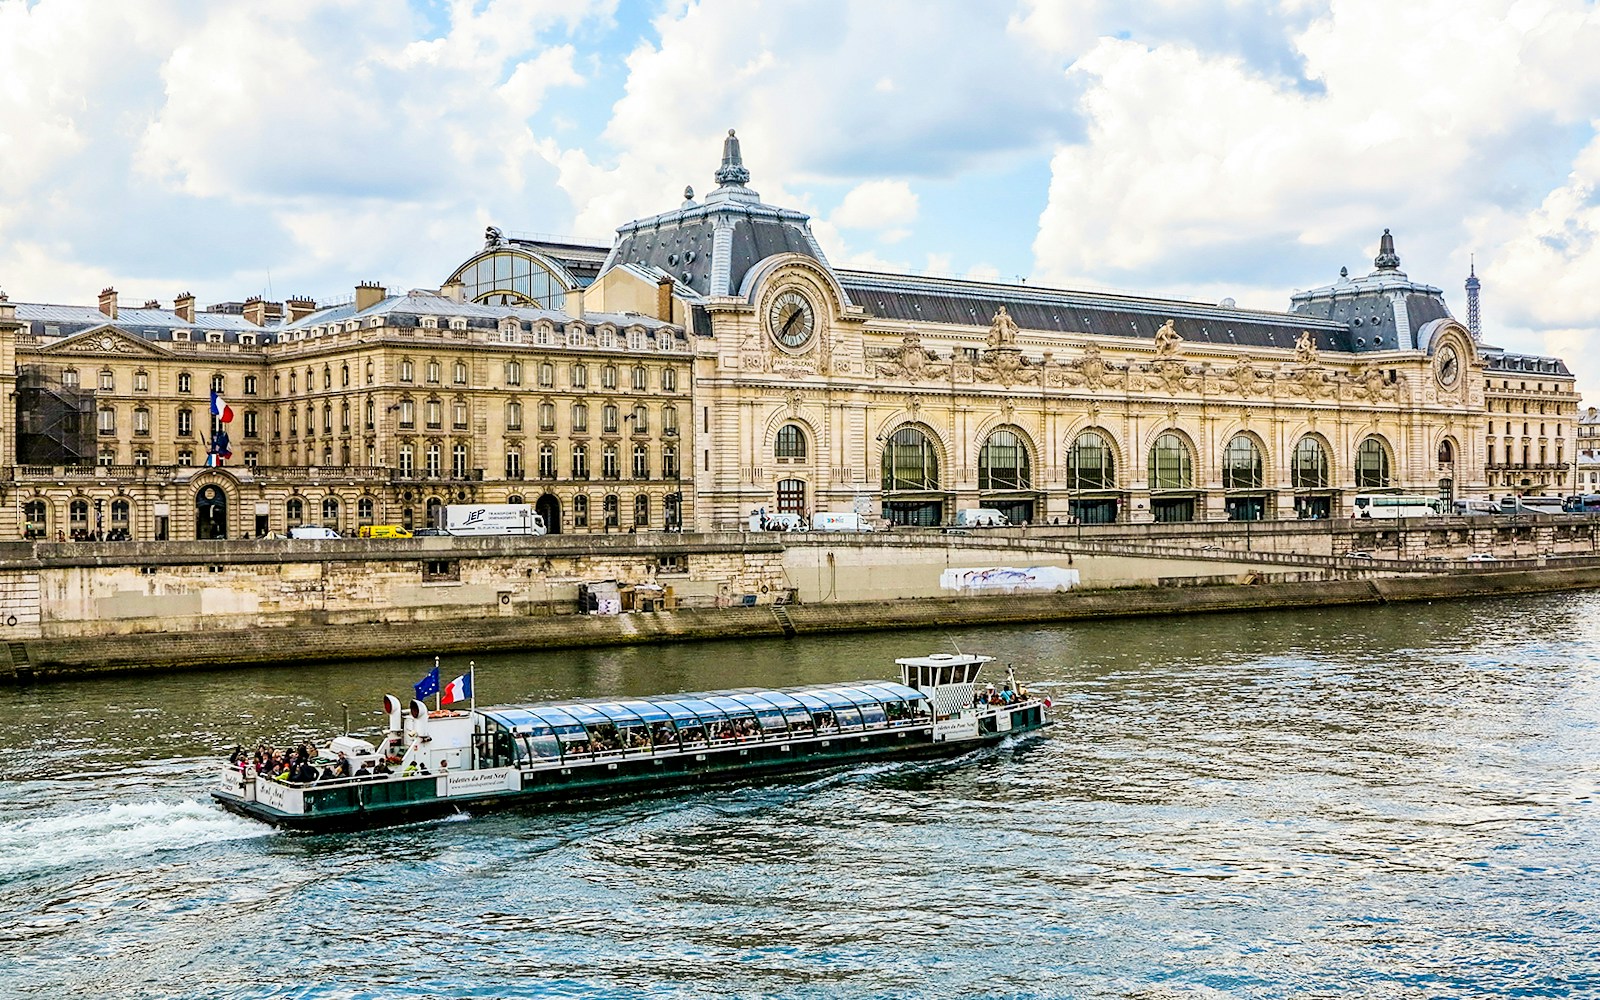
<point>312,531</point>
<point>840,521</point>
<point>776,522</point>
<point>383,531</point>
<point>981,517</point>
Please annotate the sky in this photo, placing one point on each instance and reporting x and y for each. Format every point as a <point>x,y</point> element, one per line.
<point>1197,149</point>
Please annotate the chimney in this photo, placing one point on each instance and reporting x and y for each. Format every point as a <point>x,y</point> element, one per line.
<point>255,311</point>
<point>274,312</point>
<point>183,305</point>
<point>455,291</point>
<point>151,304</point>
<point>664,299</point>
<point>108,302</point>
<point>575,303</point>
<point>369,294</point>
<point>9,311</point>
<point>300,307</point>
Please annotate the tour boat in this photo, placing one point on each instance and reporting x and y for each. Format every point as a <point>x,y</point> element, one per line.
<point>433,763</point>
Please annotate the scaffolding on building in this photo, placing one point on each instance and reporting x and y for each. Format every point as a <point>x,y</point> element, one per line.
<point>55,418</point>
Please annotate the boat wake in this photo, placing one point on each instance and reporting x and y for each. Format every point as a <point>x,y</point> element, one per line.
<point>118,832</point>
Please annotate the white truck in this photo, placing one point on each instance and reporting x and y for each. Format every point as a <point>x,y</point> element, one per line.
<point>491,519</point>
<point>840,521</point>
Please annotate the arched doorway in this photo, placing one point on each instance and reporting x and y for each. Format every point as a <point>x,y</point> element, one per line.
<point>210,513</point>
<point>549,508</point>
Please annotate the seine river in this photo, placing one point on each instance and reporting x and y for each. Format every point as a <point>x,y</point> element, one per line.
<point>1368,802</point>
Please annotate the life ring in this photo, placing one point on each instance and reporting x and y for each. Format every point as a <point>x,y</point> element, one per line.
<point>11,621</point>
<point>505,598</point>
<point>764,588</point>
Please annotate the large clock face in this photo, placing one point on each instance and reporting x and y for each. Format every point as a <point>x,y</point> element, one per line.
<point>792,320</point>
<point>1448,367</point>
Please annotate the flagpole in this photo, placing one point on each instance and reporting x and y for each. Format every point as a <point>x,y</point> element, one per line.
<point>472,684</point>
<point>437,703</point>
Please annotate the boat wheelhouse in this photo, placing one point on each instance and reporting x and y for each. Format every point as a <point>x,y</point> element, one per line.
<point>570,752</point>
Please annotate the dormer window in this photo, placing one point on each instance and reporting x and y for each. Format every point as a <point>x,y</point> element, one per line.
<point>213,336</point>
<point>247,339</point>
<point>635,339</point>
<point>574,336</point>
<point>180,335</point>
<point>544,334</point>
<point>430,322</point>
<point>458,323</point>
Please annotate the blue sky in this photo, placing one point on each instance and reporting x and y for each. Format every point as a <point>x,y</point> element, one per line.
<point>1188,149</point>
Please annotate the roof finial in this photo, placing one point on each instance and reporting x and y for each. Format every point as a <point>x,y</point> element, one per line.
<point>732,170</point>
<point>1387,259</point>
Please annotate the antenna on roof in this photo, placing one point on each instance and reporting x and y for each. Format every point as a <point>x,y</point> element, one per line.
<point>953,643</point>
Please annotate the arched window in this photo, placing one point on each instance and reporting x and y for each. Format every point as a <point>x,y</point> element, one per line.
<point>513,373</point>
<point>1171,467</point>
<point>1309,467</point>
<point>1003,462</point>
<point>1089,463</point>
<point>460,373</point>
<point>579,376</point>
<point>505,276</point>
<point>547,416</point>
<point>641,511</point>
<point>641,461</point>
<point>580,511</point>
<point>1447,452</point>
<point>513,416</point>
<point>121,515</point>
<point>640,418</point>
<point>669,420</point>
<point>580,418</point>
<point>364,508</point>
<point>608,419</point>
<point>433,372</point>
<point>295,511</point>
<point>791,444</point>
<point>78,518</point>
<point>330,512</point>
<point>612,507</point>
<point>580,461</point>
<point>910,461</point>
<point>1372,465</point>
<point>37,517</point>
<point>1241,464</point>
<point>547,375</point>
<point>641,378</point>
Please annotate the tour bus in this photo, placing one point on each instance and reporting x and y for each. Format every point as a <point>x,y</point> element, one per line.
<point>1586,503</point>
<point>1531,505</point>
<point>1397,505</point>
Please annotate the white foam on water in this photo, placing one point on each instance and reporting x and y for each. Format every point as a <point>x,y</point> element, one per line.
<point>116,832</point>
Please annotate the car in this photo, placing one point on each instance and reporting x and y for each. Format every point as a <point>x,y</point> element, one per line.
<point>1361,554</point>
<point>1482,557</point>
<point>428,532</point>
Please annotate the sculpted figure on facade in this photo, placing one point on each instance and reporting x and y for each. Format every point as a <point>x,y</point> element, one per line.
<point>1002,330</point>
<point>1305,349</point>
<point>1167,340</point>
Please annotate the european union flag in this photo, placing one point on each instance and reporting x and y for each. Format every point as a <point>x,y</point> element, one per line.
<point>428,685</point>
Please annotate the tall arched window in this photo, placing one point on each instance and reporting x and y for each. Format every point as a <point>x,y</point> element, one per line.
<point>580,511</point>
<point>1171,467</point>
<point>641,511</point>
<point>1089,463</point>
<point>1447,452</point>
<point>1003,462</point>
<point>330,511</point>
<point>1309,467</point>
<point>37,517</point>
<point>1372,465</point>
<point>1241,464</point>
<point>910,461</point>
<point>364,508</point>
<point>294,511</point>
<point>790,445</point>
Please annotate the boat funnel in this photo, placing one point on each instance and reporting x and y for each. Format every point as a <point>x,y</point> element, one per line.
<point>392,708</point>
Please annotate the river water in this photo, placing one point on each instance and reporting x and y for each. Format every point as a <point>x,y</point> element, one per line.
<point>1351,802</point>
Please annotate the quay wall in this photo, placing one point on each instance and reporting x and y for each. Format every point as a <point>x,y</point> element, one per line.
<point>209,649</point>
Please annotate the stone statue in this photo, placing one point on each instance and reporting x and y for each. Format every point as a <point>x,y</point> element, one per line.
<point>492,237</point>
<point>1003,330</point>
<point>1305,349</point>
<point>1167,340</point>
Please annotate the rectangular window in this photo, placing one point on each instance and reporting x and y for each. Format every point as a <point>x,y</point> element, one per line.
<point>251,428</point>
<point>441,571</point>
<point>250,385</point>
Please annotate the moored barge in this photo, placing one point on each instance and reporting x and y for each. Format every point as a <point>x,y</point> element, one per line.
<point>431,763</point>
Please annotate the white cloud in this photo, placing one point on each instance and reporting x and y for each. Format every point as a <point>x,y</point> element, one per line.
<point>881,204</point>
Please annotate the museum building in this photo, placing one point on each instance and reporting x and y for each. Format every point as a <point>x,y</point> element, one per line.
<point>711,362</point>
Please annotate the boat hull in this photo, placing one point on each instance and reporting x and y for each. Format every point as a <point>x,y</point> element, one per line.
<point>361,804</point>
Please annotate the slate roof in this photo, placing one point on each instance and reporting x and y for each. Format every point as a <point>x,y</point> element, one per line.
<point>974,303</point>
<point>150,324</point>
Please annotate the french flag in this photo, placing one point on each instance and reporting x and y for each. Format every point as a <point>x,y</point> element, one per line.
<point>459,689</point>
<point>222,411</point>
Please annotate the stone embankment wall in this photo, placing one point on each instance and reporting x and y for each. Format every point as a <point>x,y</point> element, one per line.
<point>89,607</point>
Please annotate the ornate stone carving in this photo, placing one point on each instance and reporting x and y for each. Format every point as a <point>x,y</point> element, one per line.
<point>1305,349</point>
<point>1002,330</point>
<point>1370,383</point>
<point>1168,340</point>
<point>910,361</point>
<point>1245,377</point>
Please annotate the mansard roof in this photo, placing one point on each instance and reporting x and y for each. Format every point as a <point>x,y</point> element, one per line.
<point>974,303</point>
<point>54,320</point>
<point>407,310</point>
<point>1383,311</point>
<point>709,246</point>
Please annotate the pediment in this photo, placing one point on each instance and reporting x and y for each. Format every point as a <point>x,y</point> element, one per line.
<point>107,340</point>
